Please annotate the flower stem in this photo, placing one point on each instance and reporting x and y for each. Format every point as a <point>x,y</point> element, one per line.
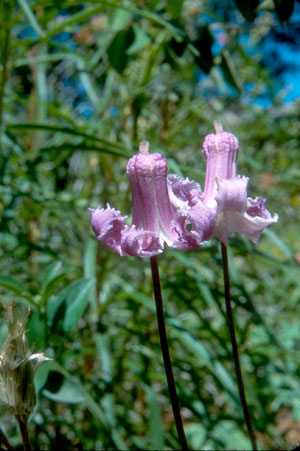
<point>24,432</point>
<point>4,441</point>
<point>166,353</point>
<point>235,353</point>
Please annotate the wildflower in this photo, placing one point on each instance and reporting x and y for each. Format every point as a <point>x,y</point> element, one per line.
<point>155,219</point>
<point>227,192</point>
<point>17,367</point>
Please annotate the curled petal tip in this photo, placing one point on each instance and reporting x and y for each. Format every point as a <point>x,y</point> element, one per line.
<point>194,225</point>
<point>140,243</point>
<point>183,191</point>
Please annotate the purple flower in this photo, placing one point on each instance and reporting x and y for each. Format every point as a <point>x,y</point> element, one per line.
<point>226,192</point>
<point>224,204</point>
<point>155,219</point>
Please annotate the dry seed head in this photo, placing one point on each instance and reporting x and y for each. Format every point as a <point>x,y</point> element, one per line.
<point>18,366</point>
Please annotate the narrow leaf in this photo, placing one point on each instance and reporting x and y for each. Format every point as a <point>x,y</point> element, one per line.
<point>174,7</point>
<point>77,300</point>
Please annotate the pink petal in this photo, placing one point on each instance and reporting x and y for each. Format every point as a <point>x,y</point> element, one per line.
<point>220,151</point>
<point>140,243</point>
<point>183,190</point>
<point>108,225</point>
<point>256,207</point>
<point>151,207</point>
<point>194,225</point>
<point>231,194</point>
<point>251,225</point>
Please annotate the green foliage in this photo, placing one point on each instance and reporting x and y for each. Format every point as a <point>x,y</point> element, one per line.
<point>81,83</point>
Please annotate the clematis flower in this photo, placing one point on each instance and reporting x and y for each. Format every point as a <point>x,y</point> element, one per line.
<point>155,220</point>
<point>224,199</point>
<point>226,192</point>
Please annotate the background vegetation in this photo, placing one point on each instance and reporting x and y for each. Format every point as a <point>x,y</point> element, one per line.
<point>81,84</point>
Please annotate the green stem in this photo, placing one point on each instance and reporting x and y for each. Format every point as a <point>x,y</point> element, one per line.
<point>166,353</point>
<point>235,353</point>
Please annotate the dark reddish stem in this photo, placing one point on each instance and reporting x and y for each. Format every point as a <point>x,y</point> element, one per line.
<point>4,441</point>
<point>166,353</point>
<point>235,353</point>
<point>24,431</point>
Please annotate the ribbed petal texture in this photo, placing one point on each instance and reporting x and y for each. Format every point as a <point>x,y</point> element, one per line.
<point>227,192</point>
<point>182,224</point>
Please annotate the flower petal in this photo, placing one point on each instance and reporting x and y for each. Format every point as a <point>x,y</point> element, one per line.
<point>231,194</point>
<point>220,151</point>
<point>108,225</point>
<point>194,225</point>
<point>256,207</point>
<point>251,223</point>
<point>151,207</point>
<point>140,243</point>
<point>182,191</point>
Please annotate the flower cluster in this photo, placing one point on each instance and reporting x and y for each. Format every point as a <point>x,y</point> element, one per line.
<point>176,211</point>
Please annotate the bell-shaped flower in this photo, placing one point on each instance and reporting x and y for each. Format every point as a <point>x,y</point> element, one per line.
<point>154,219</point>
<point>226,192</point>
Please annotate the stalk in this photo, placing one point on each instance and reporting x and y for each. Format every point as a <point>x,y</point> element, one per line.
<point>24,431</point>
<point>166,353</point>
<point>4,441</point>
<point>235,353</point>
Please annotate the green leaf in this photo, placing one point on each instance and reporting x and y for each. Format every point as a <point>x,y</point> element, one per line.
<point>14,286</point>
<point>52,285</point>
<point>92,406</point>
<point>196,435</point>
<point>52,271</point>
<point>69,393</point>
<point>119,19</point>
<point>140,42</point>
<point>77,300</point>
<point>279,243</point>
<point>205,357</point>
<point>31,17</point>
<point>247,8</point>
<point>114,147</point>
<point>229,70</point>
<point>117,51</point>
<point>155,419</point>
<point>174,7</point>
<point>36,330</point>
<point>41,376</point>
<point>84,148</point>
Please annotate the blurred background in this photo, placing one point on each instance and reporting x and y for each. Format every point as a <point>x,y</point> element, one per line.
<point>81,83</point>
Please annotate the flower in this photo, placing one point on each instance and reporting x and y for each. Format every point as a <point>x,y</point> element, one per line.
<point>226,191</point>
<point>155,219</point>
